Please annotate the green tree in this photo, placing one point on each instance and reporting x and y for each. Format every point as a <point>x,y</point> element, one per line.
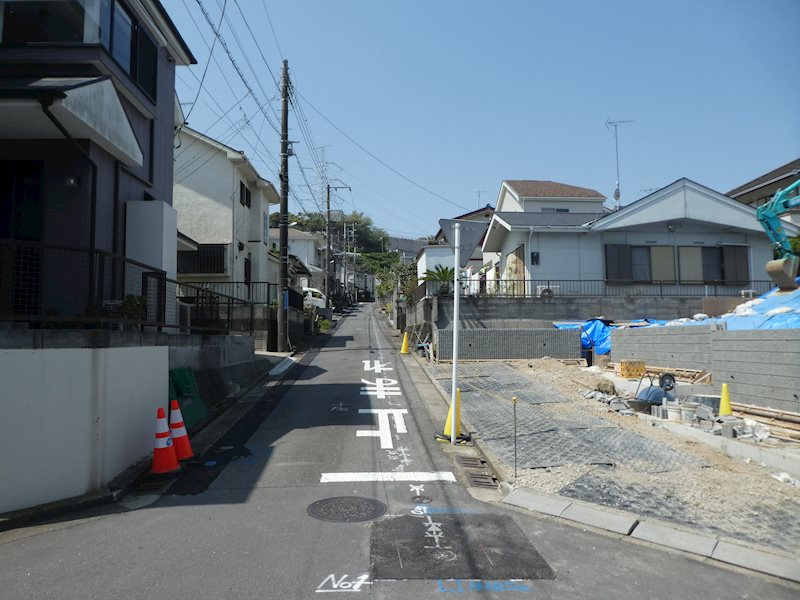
<point>440,273</point>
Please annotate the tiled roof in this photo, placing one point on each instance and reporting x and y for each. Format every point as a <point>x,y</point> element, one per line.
<point>550,189</point>
<point>536,219</point>
<point>783,171</point>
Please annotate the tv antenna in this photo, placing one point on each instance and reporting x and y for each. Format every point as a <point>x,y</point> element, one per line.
<point>609,125</point>
<point>479,192</point>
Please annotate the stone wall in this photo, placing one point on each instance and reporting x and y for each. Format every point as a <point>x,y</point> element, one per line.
<point>675,347</point>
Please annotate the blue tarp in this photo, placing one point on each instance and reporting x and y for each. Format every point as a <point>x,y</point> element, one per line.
<point>594,334</point>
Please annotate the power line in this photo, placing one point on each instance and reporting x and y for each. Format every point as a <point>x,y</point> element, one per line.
<point>208,63</point>
<point>274,35</point>
<point>363,149</point>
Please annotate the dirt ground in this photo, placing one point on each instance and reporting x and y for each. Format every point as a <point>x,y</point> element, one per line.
<point>726,488</point>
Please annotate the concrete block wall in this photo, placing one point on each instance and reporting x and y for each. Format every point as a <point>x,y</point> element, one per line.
<point>498,344</point>
<point>678,347</point>
<point>475,310</point>
<point>761,367</point>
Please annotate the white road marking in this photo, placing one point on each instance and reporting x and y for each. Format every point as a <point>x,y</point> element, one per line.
<point>384,430</point>
<point>381,387</point>
<point>387,477</point>
<point>377,366</point>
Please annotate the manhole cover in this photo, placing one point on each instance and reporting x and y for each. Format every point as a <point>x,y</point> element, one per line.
<point>346,509</point>
<point>422,499</point>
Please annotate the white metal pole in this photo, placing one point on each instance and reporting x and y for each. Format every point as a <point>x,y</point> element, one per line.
<point>456,266</point>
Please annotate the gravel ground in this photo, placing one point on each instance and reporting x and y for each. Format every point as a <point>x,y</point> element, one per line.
<point>710,490</point>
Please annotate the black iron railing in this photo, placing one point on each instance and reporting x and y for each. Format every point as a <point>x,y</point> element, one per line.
<point>550,288</point>
<point>258,292</point>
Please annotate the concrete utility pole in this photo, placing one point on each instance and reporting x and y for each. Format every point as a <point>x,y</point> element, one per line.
<point>328,241</point>
<point>283,220</point>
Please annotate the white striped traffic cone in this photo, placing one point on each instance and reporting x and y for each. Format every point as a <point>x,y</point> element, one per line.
<point>180,438</point>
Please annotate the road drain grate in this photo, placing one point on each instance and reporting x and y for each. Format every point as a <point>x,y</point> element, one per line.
<point>482,480</point>
<point>471,462</point>
<point>346,509</point>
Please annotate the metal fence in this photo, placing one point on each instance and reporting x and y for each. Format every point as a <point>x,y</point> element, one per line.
<point>54,286</point>
<point>550,288</point>
<point>257,292</point>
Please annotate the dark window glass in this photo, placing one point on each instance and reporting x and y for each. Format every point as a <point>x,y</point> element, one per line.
<point>618,262</point>
<point>105,23</point>
<point>42,21</point>
<point>242,193</point>
<point>123,37</point>
<point>640,263</point>
<point>735,266</point>
<point>712,264</point>
<point>146,63</point>
<point>208,258</point>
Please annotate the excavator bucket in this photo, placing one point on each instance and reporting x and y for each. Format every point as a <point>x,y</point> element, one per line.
<point>783,272</point>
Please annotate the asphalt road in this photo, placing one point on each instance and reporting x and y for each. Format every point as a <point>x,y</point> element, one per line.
<point>349,437</point>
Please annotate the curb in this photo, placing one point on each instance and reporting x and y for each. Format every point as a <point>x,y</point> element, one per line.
<point>627,524</point>
<point>754,558</point>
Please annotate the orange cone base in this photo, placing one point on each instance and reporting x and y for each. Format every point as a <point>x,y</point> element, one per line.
<point>445,437</point>
<point>183,448</point>
<point>165,460</point>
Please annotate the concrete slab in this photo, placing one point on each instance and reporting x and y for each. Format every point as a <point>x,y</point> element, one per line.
<point>757,560</point>
<point>282,367</point>
<point>666,534</point>
<point>603,518</point>
<point>543,503</point>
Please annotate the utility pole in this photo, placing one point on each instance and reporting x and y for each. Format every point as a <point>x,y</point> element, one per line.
<point>609,125</point>
<point>283,220</point>
<point>328,241</point>
<point>354,260</point>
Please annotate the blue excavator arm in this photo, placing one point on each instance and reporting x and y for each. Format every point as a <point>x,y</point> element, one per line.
<point>783,270</point>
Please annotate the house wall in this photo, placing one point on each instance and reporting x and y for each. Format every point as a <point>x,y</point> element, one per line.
<point>93,412</point>
<point>432,257</point>
<point>574,206</point>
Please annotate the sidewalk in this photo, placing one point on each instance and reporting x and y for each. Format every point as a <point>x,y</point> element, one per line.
<point>575,452</point>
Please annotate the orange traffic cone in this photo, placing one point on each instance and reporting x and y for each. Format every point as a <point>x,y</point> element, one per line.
<point>180,438</point>
<point>164,458</point>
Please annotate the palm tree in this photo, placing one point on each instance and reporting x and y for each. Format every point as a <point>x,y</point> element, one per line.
<point>442,275</point>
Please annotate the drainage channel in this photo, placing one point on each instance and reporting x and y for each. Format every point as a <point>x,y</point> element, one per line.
<point>477,472</point>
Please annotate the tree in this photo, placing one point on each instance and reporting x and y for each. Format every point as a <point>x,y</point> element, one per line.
<point>441,274</point>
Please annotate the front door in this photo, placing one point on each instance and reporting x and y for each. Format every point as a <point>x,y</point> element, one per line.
<point>20,220</point>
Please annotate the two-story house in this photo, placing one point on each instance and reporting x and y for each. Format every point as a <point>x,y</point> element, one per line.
<point>309,248</point>
<point>223,206</point>
<point>87,118</point>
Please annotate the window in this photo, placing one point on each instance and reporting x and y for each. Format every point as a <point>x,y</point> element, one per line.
<point>726,264</point>
<point>43,21</point>
<point>146,62</point>
<point>122,38</point>
<point>640,263</point>
<point>550,209</point>
<point>208,258</point>
<point>244,195</point>
<point>265,233</point>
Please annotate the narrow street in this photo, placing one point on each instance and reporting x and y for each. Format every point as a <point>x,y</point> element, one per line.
<point>334,483</point>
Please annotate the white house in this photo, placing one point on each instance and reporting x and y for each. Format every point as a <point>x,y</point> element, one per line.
<point>553,238</point>
<point>223,207</point>
<point>309,248</point>
<point>440,254</point>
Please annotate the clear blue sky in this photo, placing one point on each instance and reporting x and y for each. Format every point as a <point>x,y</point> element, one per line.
<point>458,95</point>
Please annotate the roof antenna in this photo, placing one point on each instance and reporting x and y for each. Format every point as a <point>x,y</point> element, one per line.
<point>609,125</point>
<point>479,192</point>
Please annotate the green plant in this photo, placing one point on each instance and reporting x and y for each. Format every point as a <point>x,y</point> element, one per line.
<point>134,308</point>
<point>324,325</point>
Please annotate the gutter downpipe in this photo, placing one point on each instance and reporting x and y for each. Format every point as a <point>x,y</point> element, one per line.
<point>46,102</point>
<point>527,259</point>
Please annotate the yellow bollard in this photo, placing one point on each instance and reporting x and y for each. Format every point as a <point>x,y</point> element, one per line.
<point>404,347</point>
<point>448,424</point>
<point>725,402</point>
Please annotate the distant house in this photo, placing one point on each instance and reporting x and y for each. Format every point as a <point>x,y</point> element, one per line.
<point>223,206</point>
<point>439,253</point>
<point>551,238</point>
<point>309,248</point>
<point>760,190</point>
<point>406,248</point>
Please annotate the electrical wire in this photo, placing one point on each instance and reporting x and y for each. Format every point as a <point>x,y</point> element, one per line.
<point>208,63</point>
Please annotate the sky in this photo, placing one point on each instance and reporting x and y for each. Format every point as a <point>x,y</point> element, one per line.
<point>423,108</point>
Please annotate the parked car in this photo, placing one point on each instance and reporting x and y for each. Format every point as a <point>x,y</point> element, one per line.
<point>313,297</point>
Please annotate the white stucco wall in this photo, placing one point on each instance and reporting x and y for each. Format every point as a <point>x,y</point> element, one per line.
<point>150,234</point>
<point>73,419</point>
<point>574,206</point>
<point>431,257</point>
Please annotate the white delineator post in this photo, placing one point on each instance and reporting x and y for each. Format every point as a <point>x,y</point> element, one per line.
<point>456,265</point>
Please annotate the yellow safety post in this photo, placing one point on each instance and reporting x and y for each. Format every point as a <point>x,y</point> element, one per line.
<point>404,347</point>
<point>447,431</point>
<point>725,402</point>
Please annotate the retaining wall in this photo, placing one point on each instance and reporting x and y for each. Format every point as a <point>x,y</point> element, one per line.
<point>761,367</point>
<point>498,344</point>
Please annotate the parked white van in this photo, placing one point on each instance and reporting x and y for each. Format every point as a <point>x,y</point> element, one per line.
<point>313,297</point>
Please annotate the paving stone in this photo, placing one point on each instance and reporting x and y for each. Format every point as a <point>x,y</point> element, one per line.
<point>600,517</point>
<point>680,539</point>
<point>749,558</point>
<point>543,503</point>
